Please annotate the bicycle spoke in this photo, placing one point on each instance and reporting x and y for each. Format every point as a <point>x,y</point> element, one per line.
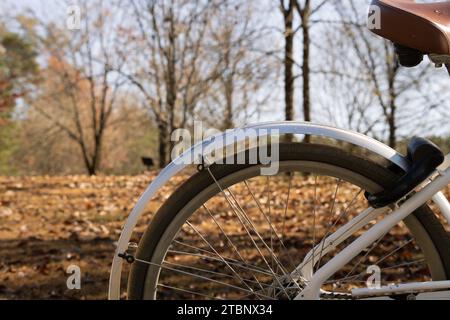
<point>283,228</point>
<point>406,264</point>
<point>375,244</point>
<point>248,232</point>
<point>344,214</point>
<point>201,277</point>
<point>189,291</point>
<point>249,221</point>
<point>381,259</point>
<point>229,240</point>
<point>330,217</point>
<point>258,204</point>
<point>393,252</point>
<point>218,254</point>
<point>230,261</point>
<point>314,223</point>
<point>216,273</point>
<point>269,199</point>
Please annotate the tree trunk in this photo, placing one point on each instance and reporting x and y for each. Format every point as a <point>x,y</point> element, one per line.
<point>289,78</point>
<point>229,105</point>
<point>163,144</point>
<point>392,122</point>
<point>92,171</point>
<point>171,97</point>
<point>87,163</point>
<point>97,153</point>
<point>228,87</point>
<point>392,117</point>
<point>306,70</point>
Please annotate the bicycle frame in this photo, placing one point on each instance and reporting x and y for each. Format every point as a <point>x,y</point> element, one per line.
<point>283,128</point>
<point>312,291</point>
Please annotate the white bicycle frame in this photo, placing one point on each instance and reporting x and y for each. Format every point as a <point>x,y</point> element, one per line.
<point>432,191</point>
<point>312,291</point>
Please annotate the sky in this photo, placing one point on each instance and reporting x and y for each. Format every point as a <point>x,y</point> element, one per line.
<point>55,9</point>
<point>44,7</point>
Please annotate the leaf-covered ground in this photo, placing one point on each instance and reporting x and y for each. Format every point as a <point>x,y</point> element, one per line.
<point>49,223</point>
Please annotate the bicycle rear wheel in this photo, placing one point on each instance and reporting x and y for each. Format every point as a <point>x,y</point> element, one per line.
<point>229,233</point>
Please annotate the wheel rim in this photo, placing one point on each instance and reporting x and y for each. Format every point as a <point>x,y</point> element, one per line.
<point>250,282</point>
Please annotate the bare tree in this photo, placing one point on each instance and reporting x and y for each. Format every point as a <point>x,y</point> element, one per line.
<point>345,99</point>
<point>166,61</point>
<point>288,10</point>
<point>305,10</point>
<point>81,87</point>
<point>399,93</point>
<point>244,70</point>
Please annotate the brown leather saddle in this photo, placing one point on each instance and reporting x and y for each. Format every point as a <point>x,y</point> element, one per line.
<point>420,27</point>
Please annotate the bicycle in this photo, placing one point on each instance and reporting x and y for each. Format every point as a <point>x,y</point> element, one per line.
<point>318,228</point>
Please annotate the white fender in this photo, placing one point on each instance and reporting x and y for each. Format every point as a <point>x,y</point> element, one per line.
<point>262,129</point>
